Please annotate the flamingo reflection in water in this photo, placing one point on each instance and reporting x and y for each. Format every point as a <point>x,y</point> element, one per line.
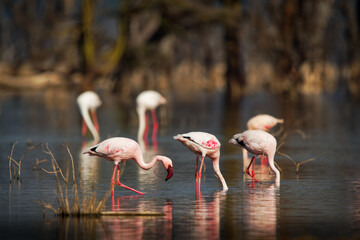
<point>138,227</point>
<point>260,212</point>
<point>207,215</point>
<point>88,165</point>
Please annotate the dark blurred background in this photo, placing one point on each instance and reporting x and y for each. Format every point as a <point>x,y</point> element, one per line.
<point>284,46</point>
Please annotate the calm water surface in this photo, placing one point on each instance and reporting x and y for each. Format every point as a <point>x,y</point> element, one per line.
<point>321,201</point>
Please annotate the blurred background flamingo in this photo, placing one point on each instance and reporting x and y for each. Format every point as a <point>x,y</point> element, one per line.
<point>89,101</point>
<point>148,100</point>
<point>203,144</point>
<point>120,149</point>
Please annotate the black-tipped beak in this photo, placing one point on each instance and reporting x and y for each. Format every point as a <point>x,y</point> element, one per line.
<point>170,173</point>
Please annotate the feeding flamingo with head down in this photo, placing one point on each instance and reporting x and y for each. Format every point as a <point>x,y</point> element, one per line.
<point>120,149</point>
<point>148,100</point>
<point>203,144</point>
<point>259,122</point>
<point>258,142</point>
<point>89,101</point>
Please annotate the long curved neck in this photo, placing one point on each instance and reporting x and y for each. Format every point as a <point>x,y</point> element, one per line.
<point>246,160</point>
<point>273,168</point>
<point>142,164</point>
<point>141,114</point>
<point>86,116</point>
<point>218,173</point>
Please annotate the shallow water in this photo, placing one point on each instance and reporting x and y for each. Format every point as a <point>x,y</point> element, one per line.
<point>321,201</point>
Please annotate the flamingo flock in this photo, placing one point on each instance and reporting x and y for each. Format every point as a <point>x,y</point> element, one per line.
<point>255,140</point>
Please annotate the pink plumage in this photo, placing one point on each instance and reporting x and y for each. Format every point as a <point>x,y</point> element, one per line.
<point>203,144</point>
<point>263,122</point>
<point>258,142</point>
<point>120,149</point>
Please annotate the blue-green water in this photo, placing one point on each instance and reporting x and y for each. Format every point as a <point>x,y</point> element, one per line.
<point>321,201</point>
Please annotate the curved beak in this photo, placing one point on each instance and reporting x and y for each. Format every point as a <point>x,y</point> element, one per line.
<point>170,173</point>
<point>233,141</point>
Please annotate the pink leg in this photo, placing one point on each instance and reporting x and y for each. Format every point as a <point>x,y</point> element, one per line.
<point>201,165</point>
<point>124,186</point>
<point>247,170</point>
<point>113,181</point>
<point>156,126</point>
<point>95,120</point>
<point>84,128</point>
<point>196,170</point>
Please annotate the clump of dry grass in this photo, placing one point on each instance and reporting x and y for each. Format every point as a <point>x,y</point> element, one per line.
<point>83,203</point>
<point>15,166</point>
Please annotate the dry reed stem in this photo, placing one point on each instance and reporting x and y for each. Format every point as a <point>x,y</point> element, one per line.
<point>81,206</point>
<point>298,164</point>
<point>18,164</point>
<point>10,159</point>
<point>37,162</point>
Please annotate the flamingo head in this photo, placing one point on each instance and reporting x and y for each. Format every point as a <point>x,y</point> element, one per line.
<point>168,166</point>
<point>170,172</point>
<point>237,140</point>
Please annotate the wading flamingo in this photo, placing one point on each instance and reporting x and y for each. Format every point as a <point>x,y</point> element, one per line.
<point>89,101</point>
<point>203,144</point>
<point>259,122</point>
<point>120,149</point>
<point>258,142</point>
<point>148,100</point>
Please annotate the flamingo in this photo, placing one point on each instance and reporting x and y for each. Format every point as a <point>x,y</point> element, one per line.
<point>120,149</point>
<point>89,101</point>
<point>148,100</point>
<point>259,122</point>
<point>258,142</point>
<point>203,144</point>
<point>263,122</point>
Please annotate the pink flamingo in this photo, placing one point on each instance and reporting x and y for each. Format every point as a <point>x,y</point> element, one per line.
<point>203,144</point>
<point>260,122</point>
<point>148,100</point>
<point>258,142</point>
<point>263,122</point>
<point>120,149</point>
<point>89,101</point>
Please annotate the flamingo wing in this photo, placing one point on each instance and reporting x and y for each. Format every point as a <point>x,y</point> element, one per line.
<point>203,139</point>
<point>118,147</point>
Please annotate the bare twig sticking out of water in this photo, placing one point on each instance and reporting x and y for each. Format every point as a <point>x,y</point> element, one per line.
<point>87,206</point>
<point>298,164</point>
<point>37,162</point>
<point>17,165</point>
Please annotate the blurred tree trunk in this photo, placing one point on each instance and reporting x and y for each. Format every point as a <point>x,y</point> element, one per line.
<point>351,13</point>
<point>235,79</point>
<point>86,43</point>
